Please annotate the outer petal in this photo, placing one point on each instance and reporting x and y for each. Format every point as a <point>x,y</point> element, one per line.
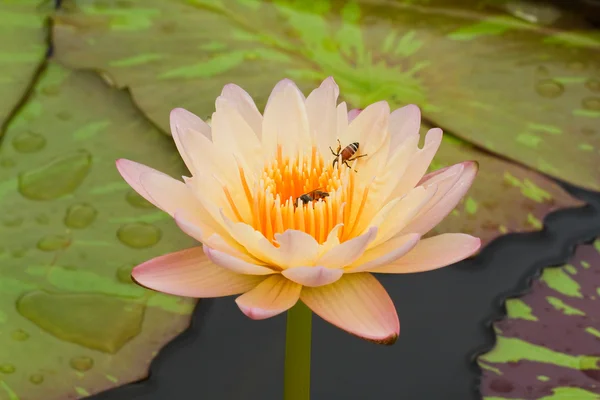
<point>419,163</point>
<point>313,276</point>
<point>235,264</point>
<point>285,122</point>
<point>188,133</point>
<point>385,253</point>
<point>273,296</point>
<point>183,119</point>
<point>353,113</point>
<point>189,273</point>
<point>245,105</point>
<point>432,253</point>
<point>357,303</point>
<point>131,172</point>
<point>322,114</point>
<point>441,206</point>
<point>347,252</point>
<point>404,122</point>
<point>369,128</point>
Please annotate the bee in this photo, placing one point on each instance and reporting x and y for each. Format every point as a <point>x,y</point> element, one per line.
<point>313,195</point>
<point>346,153</point>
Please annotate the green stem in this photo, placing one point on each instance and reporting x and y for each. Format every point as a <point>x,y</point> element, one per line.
<point>297,353</point>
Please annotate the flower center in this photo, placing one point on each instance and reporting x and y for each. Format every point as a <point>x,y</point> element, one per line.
<point>306,193</point>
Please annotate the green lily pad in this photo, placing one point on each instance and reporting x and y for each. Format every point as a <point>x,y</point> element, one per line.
<point>528,92</point>
<point>548,346</point>
<point>505,197</point>
<point>22,50</point>
<point>72,323</point>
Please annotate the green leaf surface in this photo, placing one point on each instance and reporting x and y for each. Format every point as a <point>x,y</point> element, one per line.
<point>547,346</point>
<point>22,50</point>
<point>73,323</point>
<point>479,69</point>
<point>505,197</point>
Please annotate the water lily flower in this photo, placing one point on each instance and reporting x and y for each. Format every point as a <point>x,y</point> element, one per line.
<point>260,239</point>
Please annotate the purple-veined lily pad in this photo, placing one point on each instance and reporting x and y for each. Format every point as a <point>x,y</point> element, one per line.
<point>548,347</point>
<point>22,49</point>
<point>480,69</point>
<point>72,322</point>
<point>505,197</point>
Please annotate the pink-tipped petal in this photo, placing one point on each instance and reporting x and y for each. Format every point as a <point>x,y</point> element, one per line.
<point>272,296</point>
<point>235,264</point>
<point>353,113</point>
<point>433,253</point>
<point>190,273</point>
<point>441,206</point>
<point>346,253</point>
<point>131,172</point>
<point>385,253</point>
<point>358,304</point>
<point>245,105</point>
<point>404,122</point>
<point>169,194</point>
<point>187,130</point>
<point>313,276</point>
<point>182,119</point>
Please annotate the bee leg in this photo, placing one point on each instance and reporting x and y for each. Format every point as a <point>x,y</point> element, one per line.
<point>357,157</point>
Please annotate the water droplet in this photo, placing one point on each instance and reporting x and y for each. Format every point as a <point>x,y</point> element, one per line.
<point>549,88</point>
<point>7,368</point>
<point>28,142</point>
<point>19,252</point>
<point>19,335</point>
<point>124,274</point>
<point>591,103</point>
<point>542,71</point>
<point>36,379</point>
<point>139,235</point>
<point>137,201</point>
<point>51,90</point>
<point>42,219</point>
<point>63,115</point>
<point>593,85</point>
<point>57,178</point>
<point>53,242</point>
<point>7,162</point>
<point>80,216</point>
<point>82,363</point>
<point>12,221</point>
<point>96,321</point>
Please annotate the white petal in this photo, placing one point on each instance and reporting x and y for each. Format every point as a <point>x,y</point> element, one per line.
<point>347,252</point>
<point>245,105</point>
<point>313,276</point>
<point>235,264</point>
<point>385,253</point>
<point>322,114</point>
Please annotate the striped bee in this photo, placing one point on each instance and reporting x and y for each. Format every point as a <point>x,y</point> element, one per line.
<point>346,153</point>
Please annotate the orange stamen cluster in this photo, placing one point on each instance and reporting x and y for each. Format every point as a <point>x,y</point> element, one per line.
<point>275,200</point>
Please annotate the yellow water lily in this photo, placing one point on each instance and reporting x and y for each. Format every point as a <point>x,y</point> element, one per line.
<point>262,239</point>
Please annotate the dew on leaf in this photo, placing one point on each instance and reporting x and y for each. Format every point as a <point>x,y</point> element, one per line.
<point>81,363</point>
<point>137,201</point>
<point>139,235</point>
<point>113,323</point>
<point>19,335</point>
<point>12,221</point>
<point>7,368</point>
<point>549,88</point>
<point>80,216</point>
<point>591,103</point>
<point>36,379</point>
<point>56,178</point>
<point>28,142</point>
<point>593,84</point>
<point>53,242</point>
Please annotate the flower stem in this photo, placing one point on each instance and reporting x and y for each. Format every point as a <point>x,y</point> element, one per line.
<point>297,353</point>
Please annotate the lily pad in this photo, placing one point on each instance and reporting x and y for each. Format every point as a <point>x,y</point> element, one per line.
<point>72,321</point>
<point>505,197</point>
<point>23,46</point>
<point>549,345</point>
<point>526,91</point>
